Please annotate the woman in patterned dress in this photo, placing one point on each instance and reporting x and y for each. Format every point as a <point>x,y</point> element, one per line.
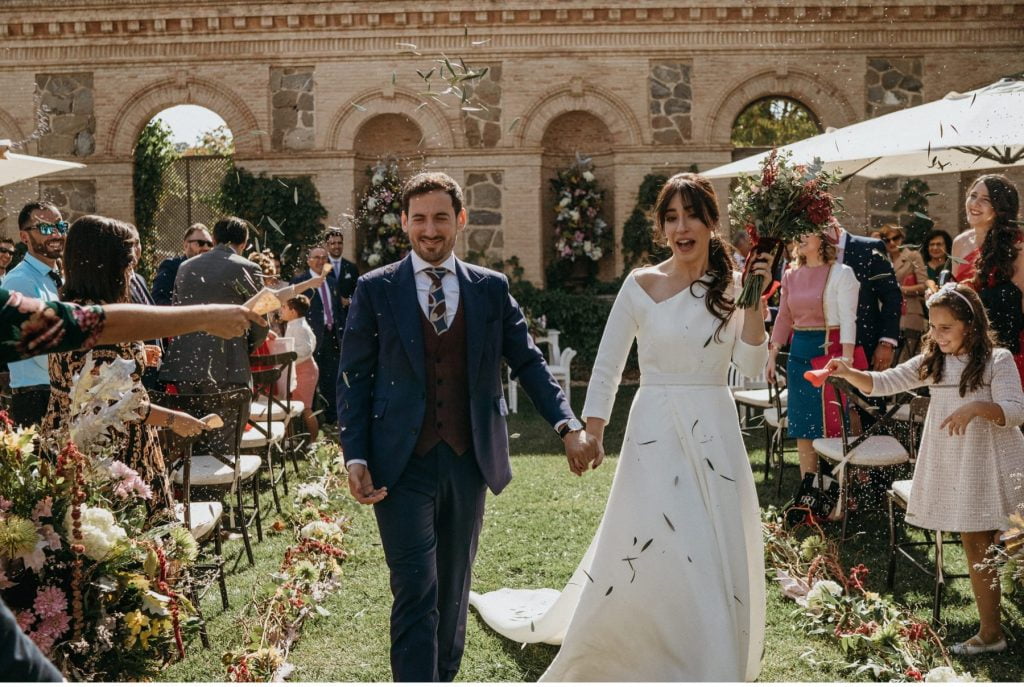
<point>98,261</point>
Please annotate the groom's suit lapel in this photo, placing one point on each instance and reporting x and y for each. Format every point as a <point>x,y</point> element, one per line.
<point>474,306</point>
<point>405,309</point>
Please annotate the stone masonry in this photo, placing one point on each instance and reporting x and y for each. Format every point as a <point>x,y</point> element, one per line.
<point>481,117</point>
<point>66,106</point>
<point>893,84</point>
<point>670,101</point>
<point>291,96</point>
<point>483,231</point>
<point>73,198</point>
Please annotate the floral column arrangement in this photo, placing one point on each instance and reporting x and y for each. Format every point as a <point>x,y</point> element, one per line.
<point>378,217</point>
<point>580,231</point>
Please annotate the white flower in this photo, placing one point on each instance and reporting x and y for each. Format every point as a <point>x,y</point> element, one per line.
<point>588,175</point>
<point>597,254</point>
<point>575,215</point>
<point>389,219</point>
<point>102,402</point>
<point>587,247</point>
<point>371,203</point>
<point>373,260</point>
<point>816,597</point>
<point>378,178</point>
<point>100,533</point>
<point>318,529</point>
<point>312,491</point>
<point>947,674</point>
<point>565,201</point>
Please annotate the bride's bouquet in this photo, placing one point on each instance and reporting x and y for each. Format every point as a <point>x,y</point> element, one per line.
<point>781,204</point>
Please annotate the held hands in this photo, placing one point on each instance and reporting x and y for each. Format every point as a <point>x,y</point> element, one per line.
<point>583,451</point>
<point>956,423</point>
<point>361,485</point>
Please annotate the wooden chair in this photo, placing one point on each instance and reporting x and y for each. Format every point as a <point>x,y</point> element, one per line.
<point>751,395</point>
<point>876,447</point>
<point>228,472</point>
<point>897,498</point>
<point>267,435</point>
<point>776,424</point>
<point>281,407</point>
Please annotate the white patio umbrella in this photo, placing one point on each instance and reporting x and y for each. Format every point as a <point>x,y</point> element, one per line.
<point>961,132</point>
<point>14,167</point>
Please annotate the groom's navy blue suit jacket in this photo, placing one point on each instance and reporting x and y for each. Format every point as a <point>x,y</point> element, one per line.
<point>382,376</point>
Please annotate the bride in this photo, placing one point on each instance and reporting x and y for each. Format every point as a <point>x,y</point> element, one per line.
<point>672,587</point>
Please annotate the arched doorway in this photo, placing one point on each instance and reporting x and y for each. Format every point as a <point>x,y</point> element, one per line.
<point>771,121</point>
<point>571,134</point>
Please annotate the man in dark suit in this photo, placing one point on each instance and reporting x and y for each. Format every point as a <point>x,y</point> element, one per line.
<point>422,419</point>
<point>325,311</point>
<point>343,272</point>
<point>197,241</point>
<point>200,363</point>
<point>880,302</point>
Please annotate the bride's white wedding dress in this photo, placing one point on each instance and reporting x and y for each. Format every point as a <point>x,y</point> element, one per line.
<point>672,587</point>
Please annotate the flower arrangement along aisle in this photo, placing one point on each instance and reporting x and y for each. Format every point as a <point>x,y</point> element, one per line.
<point>97,585</point>
<point>782,204</point>
<point>379,216</point>
<point>580,231</point>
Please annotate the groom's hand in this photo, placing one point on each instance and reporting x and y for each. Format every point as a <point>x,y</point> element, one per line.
<point>361,485</point>
<point>580,449</point>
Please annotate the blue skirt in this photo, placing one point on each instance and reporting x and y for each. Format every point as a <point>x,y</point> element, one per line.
<point>806,419</point>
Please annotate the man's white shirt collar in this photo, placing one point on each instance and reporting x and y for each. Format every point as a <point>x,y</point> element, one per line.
<point>419,264</point>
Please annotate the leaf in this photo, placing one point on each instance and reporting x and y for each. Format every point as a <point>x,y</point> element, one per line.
<point>295,195</point>
<point>922,216</point>
<point>394,77</point>
<point>670,525</point>
<point>359,107</point>
<point>276,226</point>
<point>609,591</point>
<point>477,44</point>
<point>644,547</point>
<point>588,576</point>
<point>513,124</point>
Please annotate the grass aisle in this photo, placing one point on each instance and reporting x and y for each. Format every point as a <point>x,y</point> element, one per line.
<point>534,535</point>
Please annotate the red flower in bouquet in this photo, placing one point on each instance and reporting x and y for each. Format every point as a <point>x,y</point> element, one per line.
<point>783,203</point>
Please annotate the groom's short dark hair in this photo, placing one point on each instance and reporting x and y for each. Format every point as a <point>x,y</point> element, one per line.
<point>425,182</point>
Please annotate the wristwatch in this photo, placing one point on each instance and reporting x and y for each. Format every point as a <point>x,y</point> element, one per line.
<point>572,425</point>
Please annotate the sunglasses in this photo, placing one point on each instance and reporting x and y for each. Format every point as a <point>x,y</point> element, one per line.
<point>6,251</point>
<point>202,242</point>
<point>892,239</point>
<point>47,229</point>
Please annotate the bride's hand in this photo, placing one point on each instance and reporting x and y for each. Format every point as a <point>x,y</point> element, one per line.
<point>600,453</point>
<point>761,266</point>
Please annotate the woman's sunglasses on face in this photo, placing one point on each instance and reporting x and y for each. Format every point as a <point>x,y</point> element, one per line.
<point>48,229</point>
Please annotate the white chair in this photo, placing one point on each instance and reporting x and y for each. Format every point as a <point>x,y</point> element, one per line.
<point>559,364</point>
<point>750,394</point>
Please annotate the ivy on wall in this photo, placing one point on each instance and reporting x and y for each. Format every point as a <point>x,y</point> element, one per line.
<point>913,199</point>
<point>638,240</point>
<point>154,153</point>
<point>286,212</point>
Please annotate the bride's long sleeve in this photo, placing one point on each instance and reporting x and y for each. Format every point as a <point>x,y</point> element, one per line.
<point>619,332</point>
<point>749,360</point>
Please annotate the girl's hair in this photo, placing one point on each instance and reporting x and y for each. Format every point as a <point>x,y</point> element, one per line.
<point>697,194</point>
<point>827,251</point>
<point>979,340</point>
<point>97,255</point>
<point>994,264</point>
<point>300,304</point>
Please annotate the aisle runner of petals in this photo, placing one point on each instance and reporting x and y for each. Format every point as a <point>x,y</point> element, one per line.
<point>874,634</point>
<point>309,572</point>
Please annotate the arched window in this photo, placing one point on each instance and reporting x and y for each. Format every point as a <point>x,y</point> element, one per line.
<point>773,121</point>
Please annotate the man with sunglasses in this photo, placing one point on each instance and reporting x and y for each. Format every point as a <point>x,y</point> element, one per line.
<point>197,241</point>
<point>42,230</point>
<point>6,255</point>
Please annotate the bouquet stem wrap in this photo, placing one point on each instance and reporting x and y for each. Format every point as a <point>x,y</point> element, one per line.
<point>754,285</point>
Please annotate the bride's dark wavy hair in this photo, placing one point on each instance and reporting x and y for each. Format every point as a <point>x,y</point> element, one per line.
<point>698,195</point>
<point>994,264</point>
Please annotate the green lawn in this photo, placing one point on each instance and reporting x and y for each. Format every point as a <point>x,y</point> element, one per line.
<point>534,535</point>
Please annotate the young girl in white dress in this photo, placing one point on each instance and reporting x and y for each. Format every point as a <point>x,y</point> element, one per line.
<point>971,446</point>
<point>672,587</point>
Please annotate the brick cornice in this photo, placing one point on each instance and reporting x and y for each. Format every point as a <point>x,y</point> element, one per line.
<point>115,19</point>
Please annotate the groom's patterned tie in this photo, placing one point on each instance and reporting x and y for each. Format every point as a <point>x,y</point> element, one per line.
<point>435,299</point>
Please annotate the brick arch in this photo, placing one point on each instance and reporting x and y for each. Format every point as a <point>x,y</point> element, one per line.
<point>616,115</point>
<point>346,122</point>
<point>142,105</point>
<point>827,102</point>
<point>9,129</point>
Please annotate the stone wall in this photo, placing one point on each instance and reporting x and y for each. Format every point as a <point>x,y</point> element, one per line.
<point>484,230</point>
<point>481,117</point>
<point>66,107</point>
<point>292,103</point>
<point>670,99</point>
<point>74,198</point>
<point>893,84</point>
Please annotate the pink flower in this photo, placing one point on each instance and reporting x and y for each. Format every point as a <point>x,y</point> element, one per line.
<point>4,582</point>
<point>50,601</point>
<point>5,504</point>
<point>119,470</point>
<point>25,619</point>
<point>55,625</point>
<point>43,509</point>
<point>44,642</point>
<point>52,538</point>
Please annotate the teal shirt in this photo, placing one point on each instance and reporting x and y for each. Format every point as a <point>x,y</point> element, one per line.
<point>31,278</point>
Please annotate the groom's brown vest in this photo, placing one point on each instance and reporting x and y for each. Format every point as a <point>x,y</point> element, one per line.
<point>447,414</point>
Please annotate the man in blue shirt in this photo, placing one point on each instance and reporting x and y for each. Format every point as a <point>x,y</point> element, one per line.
<point>42,231</point>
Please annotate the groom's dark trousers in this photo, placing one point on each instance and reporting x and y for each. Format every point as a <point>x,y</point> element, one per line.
<point>427,413</point>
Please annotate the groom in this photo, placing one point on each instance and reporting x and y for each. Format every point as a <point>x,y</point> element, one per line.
<point>422,419</point>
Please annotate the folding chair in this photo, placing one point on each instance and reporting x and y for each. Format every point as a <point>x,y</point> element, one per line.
<point>873,448</point>
<point>264,432</point>
<point>751,395</point>
<point>282,407</point>
<point>776,423</point>
<point>220,471</point>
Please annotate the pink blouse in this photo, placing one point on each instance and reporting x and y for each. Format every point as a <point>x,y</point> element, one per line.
<point>801,302</point>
